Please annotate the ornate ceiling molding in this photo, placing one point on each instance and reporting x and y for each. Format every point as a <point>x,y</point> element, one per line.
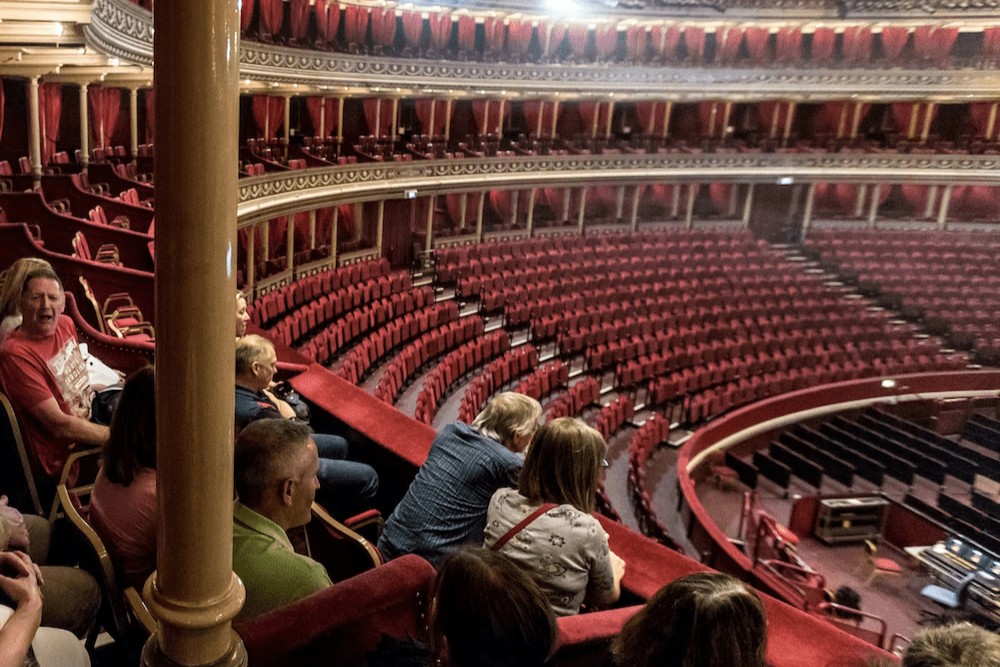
<point>122,29</point>
<point>281,193</point>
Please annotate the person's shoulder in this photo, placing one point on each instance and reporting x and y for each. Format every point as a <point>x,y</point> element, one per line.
<point>66,326</point>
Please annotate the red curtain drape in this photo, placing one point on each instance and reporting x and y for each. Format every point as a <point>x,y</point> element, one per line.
<point>601,200</point>
<point>277,237</point>
<point>650,112</point>
<point>268,114</point>
<point>413,27</point>
<point>979,116</point>
<point>501,201</point>
<point>299,19</point>
<point>823,43</point>
<point>833,118</point>
<point>933,42</point>
<point>150,101</point>
<point>50,111</point>
<point>664,39</point>
<point>720,194</point>
<point>466,33</point>
<point>327,20</point>
<point>894,40</point>
<point>915,197</point>
<point>479,114</point>
<point>636,37</point>
<point>788,45</point>
<point>493,33</point>
<point>440,25</point>
<point>975,201</point>
<point>423,108</point>
<point>345,223</point>
<point>246,14</point>
<point>105,105</point>
<point>991,41</point>
<point>535,112</point>
<point>694,38</point>
<point>757,39</point>
<point>576,35</point>
<point>383,22</point>
<point>271,16</point>
<point>588,112</point>
<point>384,118</point>
<point>605,40</point>
<point>711,127</point>
<point>846,197</point>
<point>453,204</point>
<point>773,116</point>
<point>856,44</point>
<point>908,123</point>
<point>355,24</point>
<point>727,43</point>
<point>329,108</point>
<point>518,37</point>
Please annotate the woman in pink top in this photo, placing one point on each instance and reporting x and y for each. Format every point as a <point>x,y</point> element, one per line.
<point>123,503</point>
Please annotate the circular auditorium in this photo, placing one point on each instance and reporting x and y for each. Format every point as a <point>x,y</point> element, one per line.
<point>755,245</point>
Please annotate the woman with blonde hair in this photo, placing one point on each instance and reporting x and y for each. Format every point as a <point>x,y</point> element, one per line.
<point>10,292</point>
<point>545,525</point>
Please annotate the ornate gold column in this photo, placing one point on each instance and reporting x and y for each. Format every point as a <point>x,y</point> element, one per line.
<point>531,209</point>
<point>689,212</point>
<point>379,226</point>
<point>35,139</point>
<point>748,205</point>
<point>84,128</point>
<point>873,210</point>
<point>635,208</point>
<point>194,593</point>
<point>429,241</point>
<point>807,214</point>
<point>942,218</point>
<point>583,209</point>
<point>133,121</point>
<point>479,217</point>
<point>333,235</point>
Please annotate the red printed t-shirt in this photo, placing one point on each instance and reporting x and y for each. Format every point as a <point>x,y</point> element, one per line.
<point>36,369</point>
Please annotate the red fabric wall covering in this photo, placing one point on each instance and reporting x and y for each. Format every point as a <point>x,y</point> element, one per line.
<point>711,125</point>
<point>355,24</point>
<point>502,201</point>
<point>824,41</point>
<point>757,39</point>
<point>268,114</point>
<point>664,40</point>
<point>991,41</point>
<point>576,35</point>
<point>605,40</point>
<point>721,194</point>
<point>534,112</point>
<point>694,39</point>
<point>636,43</point>
<point>383,22</point>
<point>423,109</point>
<point>894,40</point>
<point>277,234</point>
<point>979,116</point>
<point>50,111</point>
<point>271,16</point>
<point>518,37</point>
<point>601,202</point>
<point>150,102</point>
<point>832,118</point>
<point>384,118</point>
<point>324,225</point>
<point>327,20</point>
<point>301,221</point>
<point>916,197</point>
<point>591,111</point>
<point>105,106</point>
<point>466,33</point>
<point>345,223</point>
<point>440,25</point>
<point>493,34</point>
<point>479,110</point>
<point>727,43</point>
<point>856,44</point>
<point>650,111</point>
<point>846,197</point>
<point>788,45</point>
<point>413,28</point>
<point>975,201</point>
<point>299,19</point>
<point>908,124</point>
<point>453,205</point>
<point>246,14</point>
<point>934,43</point>
<point>329,109</point>
<point>773,117</point>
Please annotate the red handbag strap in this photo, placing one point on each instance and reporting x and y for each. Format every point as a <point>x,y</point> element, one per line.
<point>521,526</point>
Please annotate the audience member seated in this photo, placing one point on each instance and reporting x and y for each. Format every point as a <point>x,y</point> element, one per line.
<point>22,641</point>
<point>953,645</point>
<point>44,375</point>
<point>347,486</point>
<point>275,470</point>
<point>445,506</point>
<point>10,293</point>
<point>707,619</point>
<point>545,524</point>
<point>72,596</point>
<point>242,316</point>
<point>123,502</point>
<point>847,597</point>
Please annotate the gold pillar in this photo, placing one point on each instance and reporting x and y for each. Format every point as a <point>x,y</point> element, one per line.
<point>911,129</point>
<point>635,208</point>
<point>942,219</point>
<point>486,119</point>
<point>747,205</point>
<point>991,122</point>
<point>447,120</point>
<point>611,113</point>
<point>928,115</point>
<point>667,110</point>
<point>857,120</point>
<point>583,209</point>
<point>133,112</point>
<point>565,207</point>
<point>597,117</point>
<point>430,130</point>
<point>379,226</point>
<point>35,141</point>
<point>84,128</point>
<point>726,113</point>
<point>711,119</point>
<point>531,209</point>
<point>430,223</point>
<point>775,114</point>
<point>859,202</point>
<point>194,593</point>
<point>541,114</point>
<point>289,241</point>
<point>359,220</point>
<point>789,117</point>
<point>322,119</point>
<point>513,206</point>
<point>287,125</point>
<point>931,199</point>
<point>312,228</point>
<point>555,116</point>
<point>265,238</point>
<point>340,123</point>
<point>675,205</point>
<point>807,214</point>
<point>479,217</point>
<point>873,209</point>
<point>689,212</point>
<point>463,206</point>
<point>500,117</point>
<point>333,235</point>
<point>395,119</point>
<point>378,118</point>
<point>619,202</point>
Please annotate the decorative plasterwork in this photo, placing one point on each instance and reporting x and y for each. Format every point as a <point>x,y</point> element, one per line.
<point>122,29</point>
<point>281,193</point>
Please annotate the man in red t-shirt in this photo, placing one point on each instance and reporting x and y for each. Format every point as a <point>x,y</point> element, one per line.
<point>45,376</point>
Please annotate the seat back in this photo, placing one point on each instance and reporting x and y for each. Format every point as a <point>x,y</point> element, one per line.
<point>92,301</point>
<point>80,247</point>
<point>125,623</point>
<point>342,551</point>
<point>20,467</point>
<point>962,592</point>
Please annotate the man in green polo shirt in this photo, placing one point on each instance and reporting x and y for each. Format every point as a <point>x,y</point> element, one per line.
<point>275,470</point>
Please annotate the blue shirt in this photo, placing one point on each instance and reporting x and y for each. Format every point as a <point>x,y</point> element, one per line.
<point>445,506</point>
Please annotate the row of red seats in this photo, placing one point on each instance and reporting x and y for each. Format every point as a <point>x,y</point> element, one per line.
<point>316,314</point>
<point>277,303</point>
<point>454,366</point>
<point>644,442</point>
<point>613,415</point>
<point>897,241</point>
<point>327,344</point>
<point>417,353</point>
<point>493,377</point>
<point>359,360</point>
<point>543,381</point>
<point>581,394</point>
